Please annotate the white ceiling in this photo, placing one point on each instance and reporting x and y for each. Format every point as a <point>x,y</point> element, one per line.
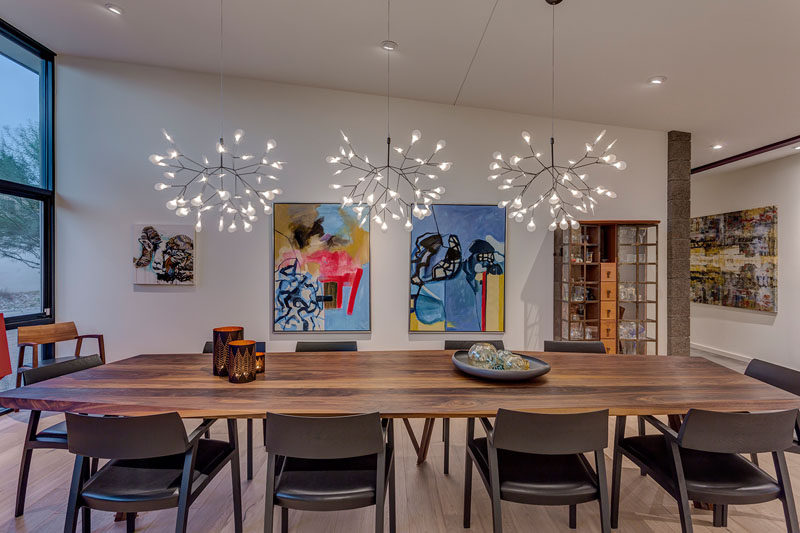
<point>732,65</point>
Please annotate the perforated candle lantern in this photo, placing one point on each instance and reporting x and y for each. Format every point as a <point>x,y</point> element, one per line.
<point>241,361</point>
<point>222,337</point>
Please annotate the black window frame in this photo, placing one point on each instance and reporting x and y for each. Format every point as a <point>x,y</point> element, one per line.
<point>46,193</point>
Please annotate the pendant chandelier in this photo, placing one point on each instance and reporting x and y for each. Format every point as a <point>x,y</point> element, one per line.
<point>399,189</point>
<point>569,191</point>
<point>231,186</point>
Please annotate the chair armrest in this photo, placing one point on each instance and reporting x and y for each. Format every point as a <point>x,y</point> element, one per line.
<point>200,430</point>
<point>21,344</point>
<point>662,427</point>
<point>90,336</point>
<point>487,427</point>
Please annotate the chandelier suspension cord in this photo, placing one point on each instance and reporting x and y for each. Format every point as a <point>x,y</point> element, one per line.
<point>221,86</point>
<point>480,42</point>
<point>553,88</point>
<point>388,81</point>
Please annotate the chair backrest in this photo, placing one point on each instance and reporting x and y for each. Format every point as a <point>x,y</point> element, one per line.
<point>551,434</point>
<point>711,431</point>
<point>332,437</point>
<point>466,345</point>
<point>43,373</point>
<point>62,331</point>
<point>575,346</point>
<point>775,375</point>
<point>136,437</point>
<point>326,346</point>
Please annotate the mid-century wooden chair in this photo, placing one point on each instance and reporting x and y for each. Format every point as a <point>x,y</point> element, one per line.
<point>329,464</point>
<point>703,462</point>
<point>34,336</point>
<point>53,437</point>
<point>538,459</point>
<point>152,465</point>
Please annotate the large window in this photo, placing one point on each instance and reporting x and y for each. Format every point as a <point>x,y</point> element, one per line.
<point>26,179</point>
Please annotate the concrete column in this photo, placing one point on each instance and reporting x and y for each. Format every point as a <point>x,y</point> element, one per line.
<point>679,153</point>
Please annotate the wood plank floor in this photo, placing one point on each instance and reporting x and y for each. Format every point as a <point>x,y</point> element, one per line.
<point>427,501</point>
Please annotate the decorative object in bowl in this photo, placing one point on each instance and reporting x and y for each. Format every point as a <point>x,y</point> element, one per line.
<point>241,364</point>
<point>222,337</point>
<point>485,361</point>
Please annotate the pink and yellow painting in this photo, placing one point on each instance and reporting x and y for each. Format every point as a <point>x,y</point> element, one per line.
<point>321,269</point>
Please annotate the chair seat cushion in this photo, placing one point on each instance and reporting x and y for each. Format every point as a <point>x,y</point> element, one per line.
<point>539,479</point>
<point>328,484</point>
<point>148,484</point>
<point>710,477</point>
<point>56,431</point>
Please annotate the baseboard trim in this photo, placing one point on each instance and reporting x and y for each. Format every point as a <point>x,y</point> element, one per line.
<point>722,353</point>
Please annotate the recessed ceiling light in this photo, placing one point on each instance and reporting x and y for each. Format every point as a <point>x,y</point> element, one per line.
<point>716,147</point>
<point>114,9</point>
<point>389,46</point>
<point>657,80</point>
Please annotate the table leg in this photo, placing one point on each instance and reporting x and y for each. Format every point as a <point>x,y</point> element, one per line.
<point>411,435</point>
<point>249,449</point>
<point>425,440</point>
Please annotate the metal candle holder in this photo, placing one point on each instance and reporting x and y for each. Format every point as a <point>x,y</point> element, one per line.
<point>222,337</point>
<point>241,361</point>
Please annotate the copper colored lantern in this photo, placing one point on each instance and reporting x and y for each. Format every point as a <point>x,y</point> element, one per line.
<point>222,337</point>
<point>260,361</point>
<point>241,361</point>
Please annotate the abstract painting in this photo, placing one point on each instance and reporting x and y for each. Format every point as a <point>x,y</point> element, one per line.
<point>458,269</point>
<point>163,254</point>
<point>734,259</point>
<point>321,269</point>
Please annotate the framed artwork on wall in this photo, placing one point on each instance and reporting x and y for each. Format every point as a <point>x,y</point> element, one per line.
<point>734,259</point>
<point>457,270</point>
<point>321,264</point>
<point>163,254</point>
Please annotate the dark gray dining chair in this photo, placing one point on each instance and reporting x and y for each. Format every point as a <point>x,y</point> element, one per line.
<point>53,437</point>
<point>329,464</point>
<point>538,459</point>
<point>261,346</point>
<point>152,464</point>
<point>326,346</point>
<point>574,346</point>
<point>784,378</point>
<point>702,461</point>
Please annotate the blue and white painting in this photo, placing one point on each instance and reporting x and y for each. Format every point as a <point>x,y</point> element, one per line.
<point>457,275</point>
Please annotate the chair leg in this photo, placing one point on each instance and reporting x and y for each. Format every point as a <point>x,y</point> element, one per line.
<point>75,486</point>
<point>642,431</point>
<point>22,484</point>
<point>681,496</point>
<point>754,458</point>
<point>392,488</point>
<point>616,471</point>
<point>602,500</point>
<point>284,520</point>
<point>86,520</point>
<point>237,494</point>
<point>264,430</point>
<point>573,517</point>
<point>789,510</point>
<point>249,449</point>
<point>446,439</point>
<point>720,515</point>
<point>468,478</point>
<point>269,495</point>
<point>95,464</point>
<point>130,523</point>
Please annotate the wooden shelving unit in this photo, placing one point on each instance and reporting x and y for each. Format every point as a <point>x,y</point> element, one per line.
<point>606,285</point>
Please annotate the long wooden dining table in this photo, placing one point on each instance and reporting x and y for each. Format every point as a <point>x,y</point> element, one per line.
<point>399,384</point>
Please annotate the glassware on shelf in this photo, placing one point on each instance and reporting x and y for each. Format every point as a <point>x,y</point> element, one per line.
<point>576,331</point>
<point>592,332</point>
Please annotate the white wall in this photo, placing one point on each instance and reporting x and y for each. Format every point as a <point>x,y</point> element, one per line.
<point>109,116</point>
<point>741,333</point>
